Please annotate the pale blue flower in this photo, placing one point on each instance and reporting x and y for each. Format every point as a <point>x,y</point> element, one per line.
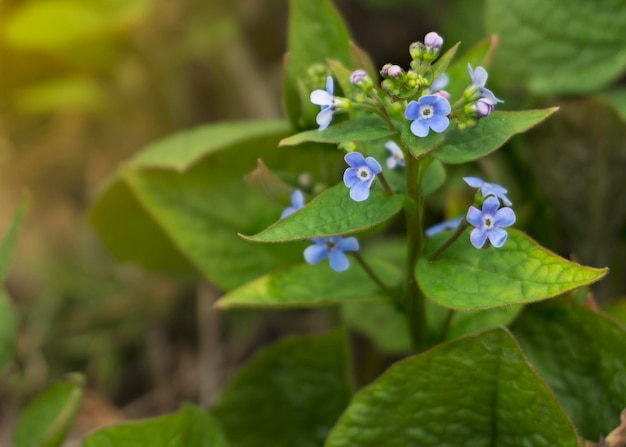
<point>428,112</point>
<point>334,249</point>
<point>439,83</point>
<point>297,202</point>
<point>326,100</point>
<point>489,223</point>
<point>489,189</point>
<point>360,175</point>
<point>396,159</point>
<point>451,224</point>
<point>479,80</point>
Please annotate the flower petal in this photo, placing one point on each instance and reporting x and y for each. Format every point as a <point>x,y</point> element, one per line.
<point>489,96</point>
<point>338,261</point>
<point>350,177</point>
<point>504,217</point>
<point>419,128</point>
<point>347,244</point>
<point>314,254</point>
<point>373,164</point>
<point>441,106</point>
<point>393,147</point>
<point>440,83</point>
<point>497,237</point>
<point>412,110</point>
<point>439,123</point>
<point>360,191</point>
<point>478,237</point>
<point>491,205</point>
<point>474,216</point>
<point>297,199</point>
<point>479,76</point>
<point>354,159</point>
<point>288,212</point>
<point>330,86</point>
<point>474,182</point>
<point>451,224</point>
<point>321,98</point>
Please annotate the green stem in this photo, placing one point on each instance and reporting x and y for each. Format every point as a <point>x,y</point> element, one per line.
<point>373,275</point>
<point>414,304</point>
<point>383,181</point>
<point>459,231</point>
<point>446,324</point>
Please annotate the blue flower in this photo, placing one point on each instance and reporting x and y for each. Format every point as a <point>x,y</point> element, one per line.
<point>479,80</point>
<point>297,202</point>
<point>451,224</point>
<point>360,175</point>
<point>326,100</point>
<point>489,223</point>
<point>489,189</point>
<point>332,248</point>
<point>440,83</point>
<point>429,111</point>
<point>396,159</point>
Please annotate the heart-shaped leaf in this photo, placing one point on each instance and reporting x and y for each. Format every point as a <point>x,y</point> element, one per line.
<point>477,391</point>
<point>521,271</point>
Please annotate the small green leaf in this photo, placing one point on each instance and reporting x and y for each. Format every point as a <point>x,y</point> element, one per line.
<point>190,427</point>
<point>587,51</point>
<point>477,391</point>
<point>47,419</point>
<point>316,32</point>
<point>291,394</point>
<point>359,129</point>
<point>442,63</point>
<point>464,277</point>
<point>312,285</point>
<point>461,146</point>
<point>580,354</point>
<point>331,213</point>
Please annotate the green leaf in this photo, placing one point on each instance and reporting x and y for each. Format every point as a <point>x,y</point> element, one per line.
<point>464,277</point>
<point>331,213</point>
<point>8,328</point>
<point>587,51</point>
<point>191,426</point>
<point>465,323</point>
<point>7,245</point>
<point>359,129</point>
<point>461,146</point>
<point>580,354</point>
<point>71,92</point>
<point>47,419</point>
<point>316,32</point>
<point>291,394</point>
<point>617,98</point>
<point>442,63</point>
<point>477,391</point>
<point>309,286</point>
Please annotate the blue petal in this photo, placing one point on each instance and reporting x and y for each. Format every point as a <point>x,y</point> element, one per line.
<point>354,159</point>
<point>315,253</point>
<point>419,128</point>
<point>489,96</point>
<point>474,216</point>
<point>393,147</point>
<point>350,177</point>
<point>373,164</point>
<point>439,123</point>
<point>360,191</point>
<point>491,205</point>
<point>348,244</point>
<point>441,106</point>
<point>321,98</point>
<point>429,100</point>
<point>497,237</point>
<point>330,86</point>
<point>412,110</point>
<point>338,261</point>
<point>297,199</point>
<point>324,118</point>
<point>451,224</point>
<point>474,182</point>
<point>440,83</point>
<point>288,212</point>
<point>478,237</point>
<point>479,76</point>
<point>504,217</point>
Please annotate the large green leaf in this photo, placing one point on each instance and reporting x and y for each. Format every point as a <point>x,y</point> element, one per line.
<point>581,355</point>
<point>521,271</point>
<point>309,286</point>
<point>461,146</point>
<point>190,427</point>
<point>359,129</point>
<point>477,391</point>
<point>316,32</point>
<point>560,46</point>
<point>291,394</point>
<point>331,213</point>
<point>47,419</point>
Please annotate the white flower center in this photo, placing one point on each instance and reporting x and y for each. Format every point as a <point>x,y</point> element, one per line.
<point>363,173</point>
<point>488,222</point>
<point>427,111</point>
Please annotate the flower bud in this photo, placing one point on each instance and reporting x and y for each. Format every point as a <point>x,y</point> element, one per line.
<point>384,72</point>
<point>357,76</point>
<point>395,71</point>
<point>416,50</point>
<point>433,40</point>
<point>444,94</point>
<point>484,107</point>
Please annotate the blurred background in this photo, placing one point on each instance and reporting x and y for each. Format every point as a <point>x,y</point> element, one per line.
<point>84,84</point>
